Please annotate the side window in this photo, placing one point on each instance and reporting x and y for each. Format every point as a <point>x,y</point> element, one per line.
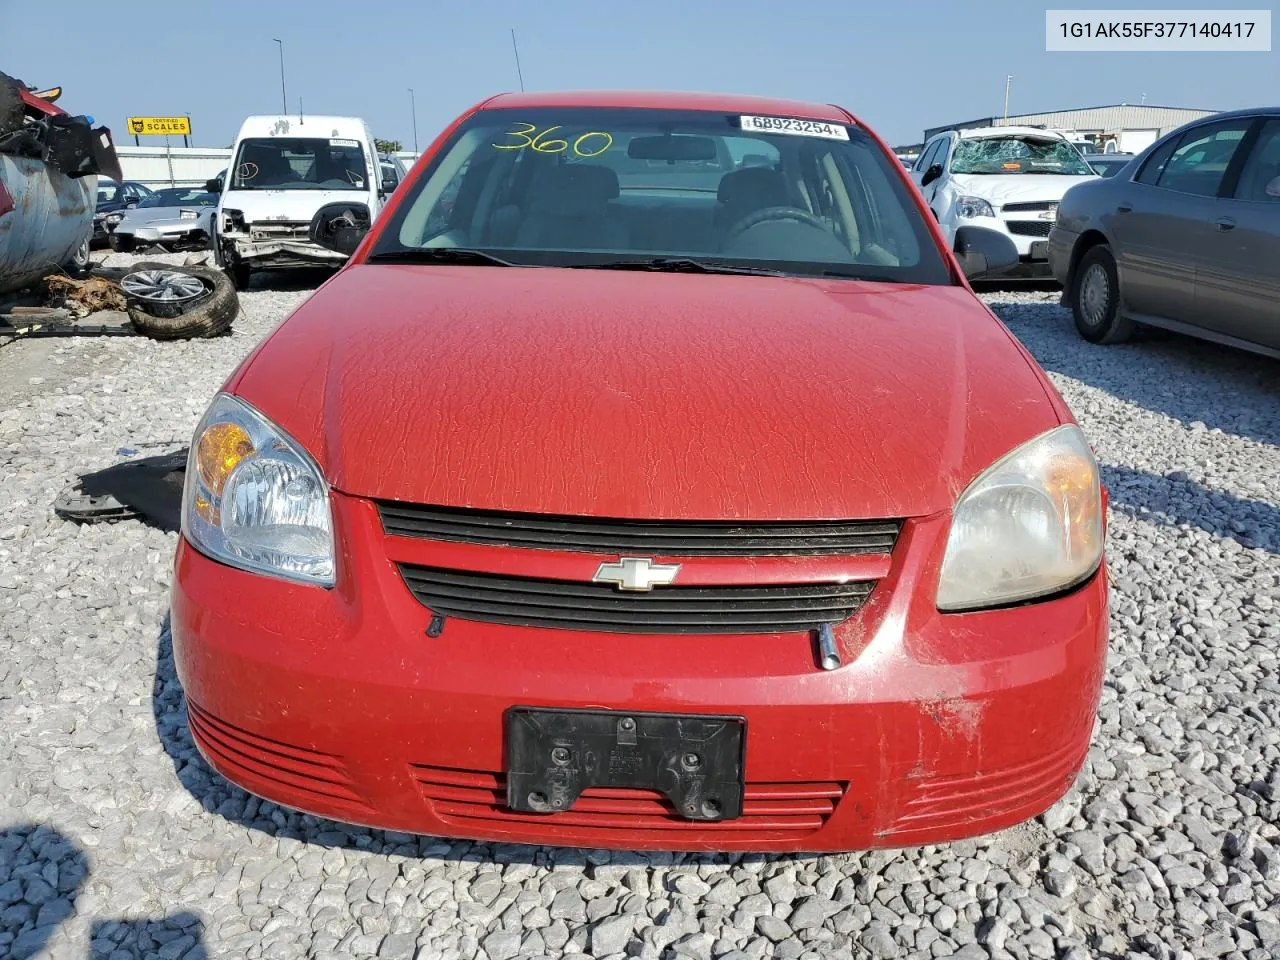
<point>927,155</point>
<point>1200,162</point>
<point>1155,164</point>
<point>944,153</point>
<point>1260,178</point>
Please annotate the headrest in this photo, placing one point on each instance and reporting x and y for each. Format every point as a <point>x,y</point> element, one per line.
<point>575,189</point>
<point>756,187</point>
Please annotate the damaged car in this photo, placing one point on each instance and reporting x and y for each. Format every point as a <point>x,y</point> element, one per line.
<point>638,499</point>
<point>49,162</point>
<point>283,170</point>
<point>175,219</point>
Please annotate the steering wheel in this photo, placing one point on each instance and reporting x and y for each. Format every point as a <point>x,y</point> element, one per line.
<point>776,213</point>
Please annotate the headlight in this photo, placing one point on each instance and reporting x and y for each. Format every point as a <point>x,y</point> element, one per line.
<point>971,207</point>
<point>254,499</point>
<point>114,218</point>
<point>187,214</point>
<point>1029,526</point>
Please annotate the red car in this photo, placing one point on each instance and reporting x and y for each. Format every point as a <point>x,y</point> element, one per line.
<point>649,497</point>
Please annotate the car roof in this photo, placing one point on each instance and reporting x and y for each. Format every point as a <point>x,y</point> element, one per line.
<point>976,132</point>
<point>669,100</point>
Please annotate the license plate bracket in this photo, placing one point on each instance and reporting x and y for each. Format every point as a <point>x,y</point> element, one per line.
<point>1040,250</point>
<point>695,760</point>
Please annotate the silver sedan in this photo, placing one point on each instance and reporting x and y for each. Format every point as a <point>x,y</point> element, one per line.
<point>176,219</point>
<point>1186,237</point>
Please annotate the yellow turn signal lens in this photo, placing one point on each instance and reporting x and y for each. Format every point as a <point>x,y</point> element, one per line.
<point>222,446</point>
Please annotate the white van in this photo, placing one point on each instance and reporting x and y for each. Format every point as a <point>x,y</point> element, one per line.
<point>283,170</point>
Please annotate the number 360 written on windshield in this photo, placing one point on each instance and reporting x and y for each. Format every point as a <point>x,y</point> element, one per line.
<point>590,144</point>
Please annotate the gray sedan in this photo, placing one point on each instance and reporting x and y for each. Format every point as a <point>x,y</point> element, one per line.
<point>1187,237</point>
<point>175,219</point>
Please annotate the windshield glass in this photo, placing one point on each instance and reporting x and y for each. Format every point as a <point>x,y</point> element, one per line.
<point>180,196</point>
<point>607,186</point>
<point>292,163</point>
<point>107,190</point>
<point>1006,155</point>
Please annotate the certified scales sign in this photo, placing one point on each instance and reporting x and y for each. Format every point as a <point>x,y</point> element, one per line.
<point>143,126</point>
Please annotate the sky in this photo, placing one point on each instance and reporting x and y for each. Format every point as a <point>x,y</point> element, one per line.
<point>901,67</point>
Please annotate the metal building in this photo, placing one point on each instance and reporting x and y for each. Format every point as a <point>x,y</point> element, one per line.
<point>1122,127</point>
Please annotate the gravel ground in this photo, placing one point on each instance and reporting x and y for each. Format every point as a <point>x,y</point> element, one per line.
<point>117,841</point>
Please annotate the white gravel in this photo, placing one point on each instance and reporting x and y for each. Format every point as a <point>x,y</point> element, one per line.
<point>116,841</point>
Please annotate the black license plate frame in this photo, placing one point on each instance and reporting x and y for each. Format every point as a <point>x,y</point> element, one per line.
<point>695,760</point>
<point>1039,250</point>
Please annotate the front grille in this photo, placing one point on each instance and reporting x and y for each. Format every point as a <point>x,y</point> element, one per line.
<point>477,797</point>
<point>642,537</point>
<point>574,605</point>
<point>1030,205</point>
<point>1030,228</point>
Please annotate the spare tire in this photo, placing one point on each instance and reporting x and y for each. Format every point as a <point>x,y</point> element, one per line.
<point>168,302</point>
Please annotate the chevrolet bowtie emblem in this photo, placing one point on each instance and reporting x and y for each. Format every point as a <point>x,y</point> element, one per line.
<point>636,573</point>
<point>1051,213</point>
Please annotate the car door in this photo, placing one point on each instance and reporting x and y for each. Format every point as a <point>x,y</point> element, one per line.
<point>1161,219</point>
<point>1238,280</point>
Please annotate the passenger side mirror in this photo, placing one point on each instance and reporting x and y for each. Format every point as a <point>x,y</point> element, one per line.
<point>983,252</point>
<point>1273,188</point>
<point>340,226</point>
<point>389,185</point>
<point>213,186</point>
<point>930,175</point>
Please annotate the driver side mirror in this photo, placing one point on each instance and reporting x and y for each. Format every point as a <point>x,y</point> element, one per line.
<point>983,252</point>
<point>930,175</point>
<point>1273,188</point>
<point>213,186</point>
<point>340,226</point>
<point>389,186</point>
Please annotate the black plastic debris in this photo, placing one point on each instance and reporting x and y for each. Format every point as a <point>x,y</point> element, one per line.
<point>148,489</point>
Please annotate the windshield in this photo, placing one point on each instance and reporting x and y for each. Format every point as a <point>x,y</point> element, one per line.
<point>1006,155</point>
<point>178,197</point>
<point>610,186</point>
<point>107,190</point>
<point>292,163</point>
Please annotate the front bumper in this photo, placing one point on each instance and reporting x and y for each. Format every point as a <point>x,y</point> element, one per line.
<point>338,703</point>
<point>279,253</point>
<point>1032,250</point>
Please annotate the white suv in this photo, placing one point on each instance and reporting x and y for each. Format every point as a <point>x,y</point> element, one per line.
<point>1008,179</point>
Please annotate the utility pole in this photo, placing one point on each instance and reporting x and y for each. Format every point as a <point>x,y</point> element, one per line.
<point>1007,82</point>
<point>414,108</point>
<point>284,100</point>
<point>514,47</point>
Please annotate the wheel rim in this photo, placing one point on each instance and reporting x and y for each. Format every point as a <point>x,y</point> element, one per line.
<point>163,286</point>
<point>1095,295</point>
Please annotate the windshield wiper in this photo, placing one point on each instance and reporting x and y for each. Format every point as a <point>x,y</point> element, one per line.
<point>441,255</point>
<point>678,265</point>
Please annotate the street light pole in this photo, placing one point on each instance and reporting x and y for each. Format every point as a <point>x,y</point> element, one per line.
<point>284,100</point>
<point>1007,81</point>
<point>414,107</point>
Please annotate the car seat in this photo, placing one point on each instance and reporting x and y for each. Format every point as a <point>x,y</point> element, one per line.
<point>570,211</point>
<point>746,191</point>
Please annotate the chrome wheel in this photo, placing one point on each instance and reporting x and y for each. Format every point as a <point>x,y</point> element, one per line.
<point>163,286</point>
<point>1095,295</point>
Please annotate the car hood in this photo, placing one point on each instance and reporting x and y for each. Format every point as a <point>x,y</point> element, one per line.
<point>296,206</point>
<point>150,216</point>
<point>1018,187</point>
<point>642,395</point>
